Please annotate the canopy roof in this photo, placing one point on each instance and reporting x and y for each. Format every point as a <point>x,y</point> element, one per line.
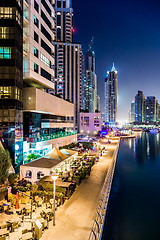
<point>68,152</point>
<point>51,159</point>
<point>1,144</point>
<point>43,163</point>
<point>56,154</point>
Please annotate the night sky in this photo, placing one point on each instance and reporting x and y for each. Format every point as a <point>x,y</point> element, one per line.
<point>126,32</point>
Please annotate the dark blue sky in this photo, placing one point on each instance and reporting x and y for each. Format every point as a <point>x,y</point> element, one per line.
<point>127,32</point>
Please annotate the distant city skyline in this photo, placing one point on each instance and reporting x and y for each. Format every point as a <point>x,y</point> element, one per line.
<point>125,33</point>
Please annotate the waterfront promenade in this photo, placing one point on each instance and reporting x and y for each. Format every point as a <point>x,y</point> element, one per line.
<point>74,219</point>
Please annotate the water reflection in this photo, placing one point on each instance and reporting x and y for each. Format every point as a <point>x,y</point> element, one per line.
<point>133,210</point>
<point>146,146</point>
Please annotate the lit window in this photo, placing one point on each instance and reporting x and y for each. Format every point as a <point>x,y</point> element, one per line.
<point>40,175</point>
<point>36,21</point>
<point>35,52</point>
<point>5,52</point>
<point>35,67</point>
<point>28,174</point>
<point>45,60</point>
<point>6,12</point>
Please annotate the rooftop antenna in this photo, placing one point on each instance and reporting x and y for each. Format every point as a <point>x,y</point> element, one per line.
<point>91,43</point>
<point>113,68</point>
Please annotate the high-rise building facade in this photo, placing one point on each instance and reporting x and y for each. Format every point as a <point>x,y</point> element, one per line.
<point>111,96</point>
<point>90,82</point>
<point>31,119</point>
<point>158,113</point>
<point>11,77</point>
<point>64,20</point>
<point>68,58</point>
<point>151,109</point>
<point>132,113</point>
<point>140,107</point>
<point>68,74</point>
<point>38,44</point>
<point>98,104</point>
<point>48,120</point>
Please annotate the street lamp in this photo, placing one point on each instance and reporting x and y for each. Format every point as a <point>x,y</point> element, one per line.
<point>53,178</point>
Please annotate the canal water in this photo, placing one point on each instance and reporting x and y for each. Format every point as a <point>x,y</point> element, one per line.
<point>134,205</point>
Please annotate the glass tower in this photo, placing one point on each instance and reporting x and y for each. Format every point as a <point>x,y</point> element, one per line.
<point>11,78</point>
<point>111,96</point>
<point>140,107</point>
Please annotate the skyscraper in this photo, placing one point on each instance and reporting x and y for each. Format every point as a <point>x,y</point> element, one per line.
<point>64,20</point>
<point>68,57</point>
<point>31,120</point>
<point>45,116</point>
<point>98,103</point>
<point>11,77</point>
<point>158,112</point>
<point>90,81</point>
<point>111,96</point>
<point>132,113</point>
<point>38,44</point>
<point>140,107</point>
<point>151,109</point>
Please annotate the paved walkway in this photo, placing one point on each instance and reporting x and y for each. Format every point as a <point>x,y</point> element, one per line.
<point>74,219</point>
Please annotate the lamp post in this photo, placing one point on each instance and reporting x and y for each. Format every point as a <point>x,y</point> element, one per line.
<point>54,177</point>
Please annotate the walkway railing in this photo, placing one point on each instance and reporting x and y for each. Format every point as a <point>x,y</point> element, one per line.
<point>97,227</point>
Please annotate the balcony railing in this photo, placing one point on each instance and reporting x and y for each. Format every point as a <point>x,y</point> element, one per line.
<point>49,137</point>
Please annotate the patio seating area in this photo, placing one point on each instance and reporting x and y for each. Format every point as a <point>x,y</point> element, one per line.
<point>20,223</point>
<point>37,204</point>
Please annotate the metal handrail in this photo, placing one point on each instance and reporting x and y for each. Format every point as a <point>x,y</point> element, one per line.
<point>98,224</point>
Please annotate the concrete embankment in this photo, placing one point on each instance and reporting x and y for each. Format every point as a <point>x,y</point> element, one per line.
<point>74,220</point>
<point>98,223</point>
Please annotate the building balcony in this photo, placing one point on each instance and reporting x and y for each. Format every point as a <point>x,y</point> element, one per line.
<point>49,137</point>
<point>26,2</point>
<point>24,36</point>
<point>61,124</point>
<point>25,19</point>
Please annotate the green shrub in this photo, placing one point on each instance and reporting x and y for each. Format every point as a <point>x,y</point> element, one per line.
<point>71,145</point>
<point>5,163</point>
<point>87,145</point>
<point>83,173</point>
<point>28,186</point>
<point>3,190</point>
<point>22,189</point>
<point>12,178</point>
<point>78,180</point>
<point>33,156</point>
<point>61,190</point>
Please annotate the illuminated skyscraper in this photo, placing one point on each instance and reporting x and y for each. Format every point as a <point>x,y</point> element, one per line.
<point>68,57</point>
<point>98,103</point>
<point>111,96</point>
<point>151,109</point>
<point>11,77</point>
<point>64,20</point>
<point>90,81</point>
<point>132,113</point>
<point>140,107</point>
